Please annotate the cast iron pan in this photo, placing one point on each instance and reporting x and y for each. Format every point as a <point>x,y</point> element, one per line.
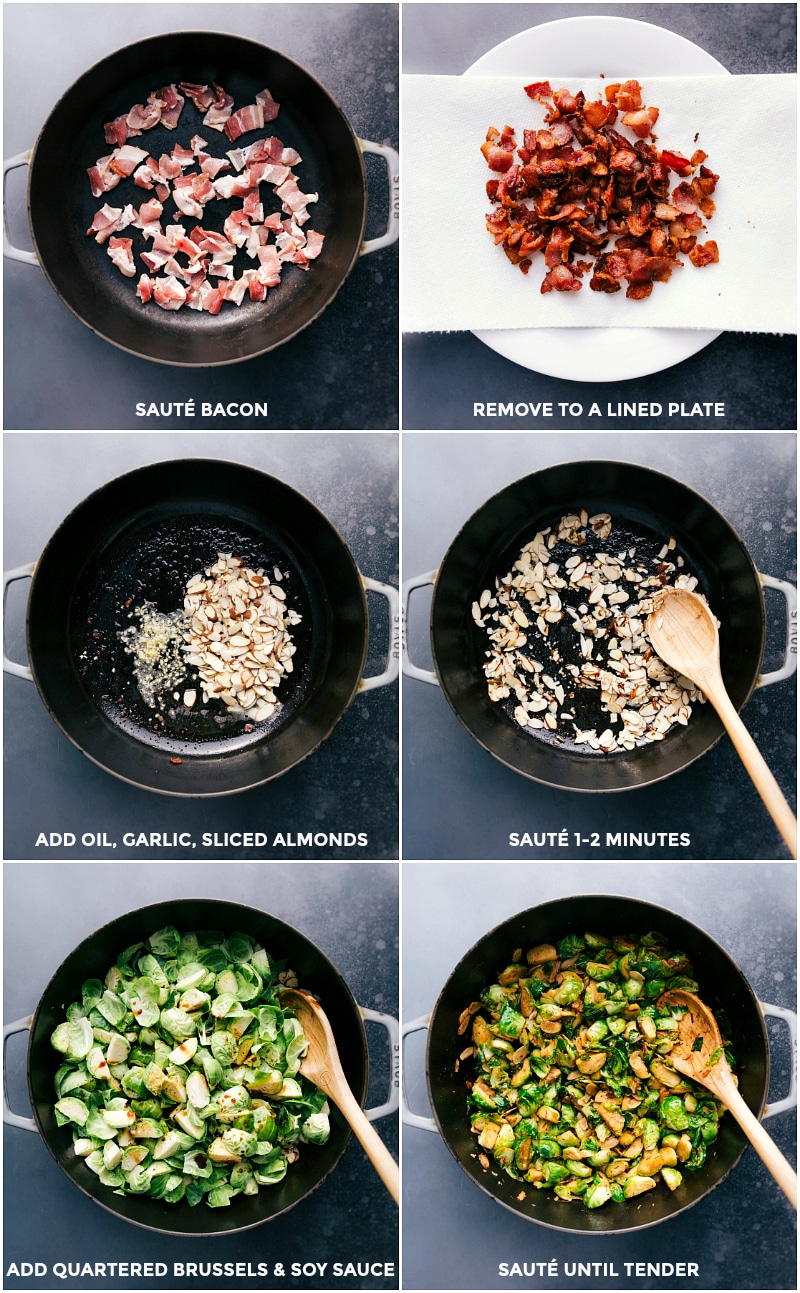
<point>637,499</point>
<point>721,985</point>
<point>61,207</point>
<point>92,958</point>
<point>138,539</point>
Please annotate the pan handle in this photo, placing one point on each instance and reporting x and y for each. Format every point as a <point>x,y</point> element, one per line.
<point>413,671</point>
<point>15,253</point>
<point>15,1119</point>
<point>409,1118</point>
<point>9,576</point>
<point>393,661</point>
<point>789,665</point>
<point>393,1030</point>
<point>393,167</point>
<point>790,1019</point>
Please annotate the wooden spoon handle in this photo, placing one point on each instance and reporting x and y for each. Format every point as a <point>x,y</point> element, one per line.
<point>763,1144</point>
<point>754,762</point>
<point>374,1148</point>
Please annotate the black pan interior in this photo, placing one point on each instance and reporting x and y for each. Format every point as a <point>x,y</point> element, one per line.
<point>640,501</point>
<point>138,539</point>
<point>721,985</point>
<point>93,957</point>
<point>62,208</point>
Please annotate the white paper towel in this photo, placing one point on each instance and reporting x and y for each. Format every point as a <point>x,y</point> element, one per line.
<point>455,278</point>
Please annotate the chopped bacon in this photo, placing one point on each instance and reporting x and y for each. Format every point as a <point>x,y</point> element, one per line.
<point>246,119</point>
<point>121,252</point>
<point>578,182</point>
<point>125,160</point>
<point>268,105</point>
<point>171,105</point>
<point>181,264</point>
<point>705,253</point>
<point>562,279</point>
<point>202,96</point>
<point>676,162</point>
<point>117,131</point>
<point>169,293</point>
<point>220,110</point>
<point>143,116</point>
<point>144,289</point>
<point>539,90</point>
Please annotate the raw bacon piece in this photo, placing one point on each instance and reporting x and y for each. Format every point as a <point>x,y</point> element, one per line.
<point>169,293</point>
<point>125,160</point>
<point>102,177</point>
<point>294,201</point>
<point>269,106</point>
<point>202,96</point>
<point>220,110</point>
<point>246,119</point>
<point>171,105</point>
<point>117,131</point>
<point>121,252</point>
<point>143,116</point>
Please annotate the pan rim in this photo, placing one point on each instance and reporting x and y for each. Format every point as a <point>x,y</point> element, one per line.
<point>212,1234</point>
<point>657,909</point>
<point>335,288</point>
<point>207,751</point>
<point>589,464</point>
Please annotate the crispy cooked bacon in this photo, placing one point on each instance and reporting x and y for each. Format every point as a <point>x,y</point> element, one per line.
<point>576,184</point>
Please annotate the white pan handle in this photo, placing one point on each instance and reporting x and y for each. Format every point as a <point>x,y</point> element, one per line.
<point>393,659</point>
<point>15,253</point>
<point>15,1119</point>
<point>393,167</point>
<point>9,576</point>
<point>392,1027</point>
<point>790,1019</point>
<point>409,1118</point>
<point>789,665</point>
<point>413,670</point>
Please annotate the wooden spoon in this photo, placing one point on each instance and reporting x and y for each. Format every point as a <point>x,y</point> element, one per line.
<point>708,1066</point>
<point>684,633</point>
<point>322,1066</point>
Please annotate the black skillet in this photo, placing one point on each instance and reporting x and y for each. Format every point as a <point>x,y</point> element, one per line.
<point>61,207</point>
<point>137,540</point>
<point>92,958</point>
<point>641,502</point>
<point>721,985</point>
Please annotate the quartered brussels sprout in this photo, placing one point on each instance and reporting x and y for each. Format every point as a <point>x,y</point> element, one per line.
<point>573,1088</point>
<point>170,1066</point>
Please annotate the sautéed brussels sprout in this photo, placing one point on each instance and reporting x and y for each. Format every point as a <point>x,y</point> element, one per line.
<point>573,1088</point>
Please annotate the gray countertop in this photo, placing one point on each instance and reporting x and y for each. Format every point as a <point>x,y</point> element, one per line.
<point>754,375</point>
<point>458,801</point>
<point>351,913</point>
<point>339,373</point>
<point>742,1235</point>
<point>349,785</point>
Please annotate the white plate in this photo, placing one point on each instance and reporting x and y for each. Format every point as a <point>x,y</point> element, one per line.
<point>619,48</point>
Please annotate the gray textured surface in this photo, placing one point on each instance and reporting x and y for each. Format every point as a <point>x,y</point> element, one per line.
<point>341,372</point>
<point>351,913</point>
<point>349,784</point>
<point>443,374</point>
<point>461,803</point>
<point>742,1235</point>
